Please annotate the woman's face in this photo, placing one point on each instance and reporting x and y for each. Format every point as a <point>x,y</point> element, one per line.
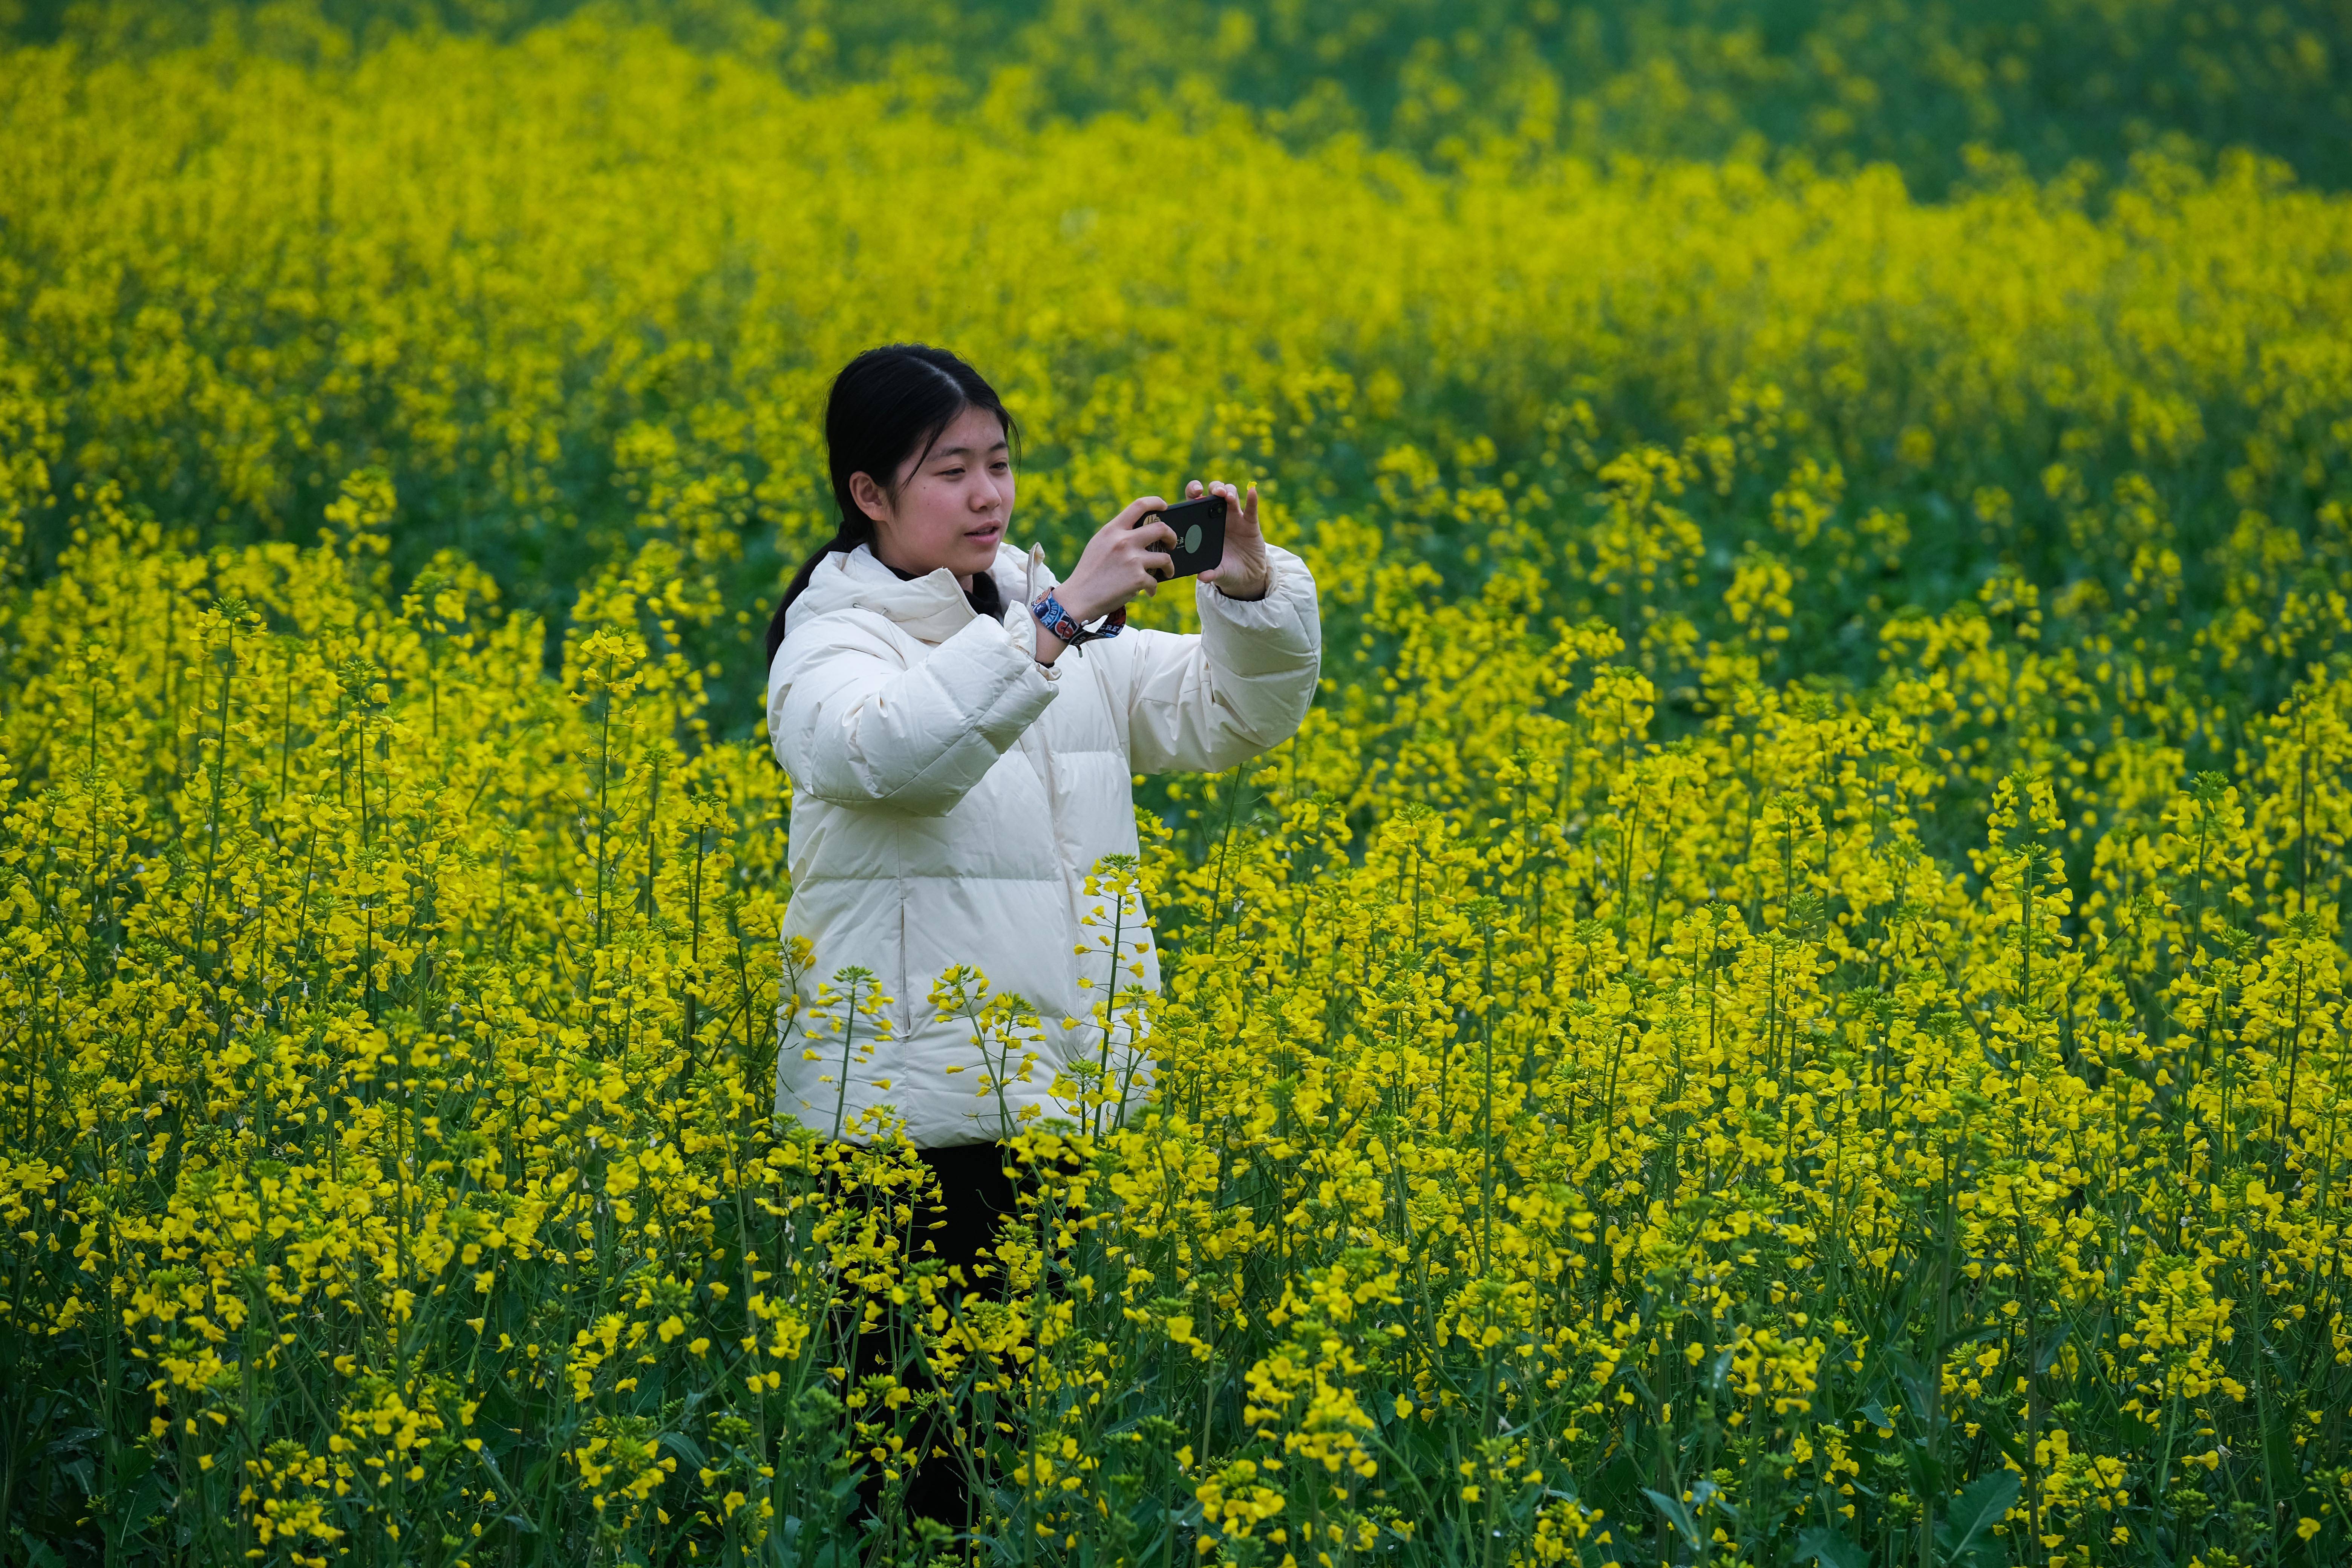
<point>951,508</point>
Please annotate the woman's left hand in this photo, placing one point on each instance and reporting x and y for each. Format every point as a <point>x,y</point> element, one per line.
<point>1244,573</point>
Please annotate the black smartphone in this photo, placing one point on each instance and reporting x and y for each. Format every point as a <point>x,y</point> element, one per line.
<point>1200,528</point>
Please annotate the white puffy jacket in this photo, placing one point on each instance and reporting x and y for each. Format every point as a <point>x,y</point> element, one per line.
<point>950,795</point>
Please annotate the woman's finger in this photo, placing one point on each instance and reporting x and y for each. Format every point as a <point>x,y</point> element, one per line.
<point>1134,512</point>
<point>1192,490</point>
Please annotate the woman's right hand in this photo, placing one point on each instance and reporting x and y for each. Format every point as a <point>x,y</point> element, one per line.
<point>1119,561</point>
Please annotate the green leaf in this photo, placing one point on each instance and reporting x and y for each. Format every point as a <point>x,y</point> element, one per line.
<point>1967,1528</point>
<point>1828,1548</point>
<point>688,1449</point>
<point>1676,1515</point>
<point>1926,1471</point>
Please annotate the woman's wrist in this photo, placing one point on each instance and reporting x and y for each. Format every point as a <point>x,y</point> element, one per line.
<point>1049,648</point>
<point>1060,625</point>
<point>1074,597</point>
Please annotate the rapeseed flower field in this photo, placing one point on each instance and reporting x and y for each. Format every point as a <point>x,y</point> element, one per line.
<point>1787,1005</point>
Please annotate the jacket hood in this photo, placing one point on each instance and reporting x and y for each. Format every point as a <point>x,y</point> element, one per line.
<point>932,608</point>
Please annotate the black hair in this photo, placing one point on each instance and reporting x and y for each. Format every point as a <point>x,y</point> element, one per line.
<point>887,404</point>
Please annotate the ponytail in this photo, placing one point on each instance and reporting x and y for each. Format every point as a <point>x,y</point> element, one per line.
<point>888,404</point>
<point>845,538</point>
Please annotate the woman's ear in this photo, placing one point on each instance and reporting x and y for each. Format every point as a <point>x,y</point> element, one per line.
<point>869,498</point>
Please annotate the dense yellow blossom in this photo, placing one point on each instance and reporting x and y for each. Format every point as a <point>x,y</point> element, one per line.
<point>1715,1042</point>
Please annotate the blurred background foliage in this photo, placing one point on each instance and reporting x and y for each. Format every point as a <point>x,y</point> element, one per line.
<point>1838,83</point>
<point>1900,303</point>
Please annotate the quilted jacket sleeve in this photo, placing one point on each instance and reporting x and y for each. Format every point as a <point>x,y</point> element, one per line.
<point>1242,684</point>
<point>851,724</point>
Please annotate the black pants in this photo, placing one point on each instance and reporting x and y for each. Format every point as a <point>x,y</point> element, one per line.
<point>978,1192</point>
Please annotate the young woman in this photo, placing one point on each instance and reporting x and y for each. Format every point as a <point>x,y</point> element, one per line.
<point>961,753</point>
